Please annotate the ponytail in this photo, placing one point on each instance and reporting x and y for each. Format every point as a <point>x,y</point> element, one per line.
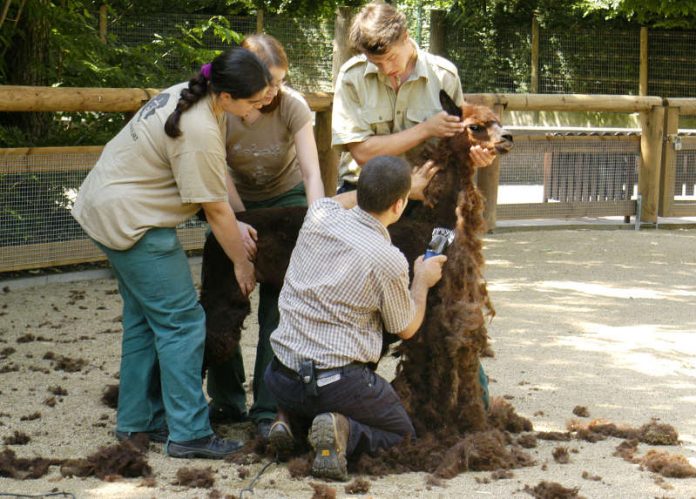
<point>236,71</point>
<point>197,88</point>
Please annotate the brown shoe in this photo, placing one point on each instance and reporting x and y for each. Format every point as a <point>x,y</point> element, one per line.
<point>281,439</point>
<point>329,438</point>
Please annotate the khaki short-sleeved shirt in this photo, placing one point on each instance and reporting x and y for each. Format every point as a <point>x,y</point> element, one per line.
<point>261,155</point>
<point>145,179</point>
<point>365,104</point>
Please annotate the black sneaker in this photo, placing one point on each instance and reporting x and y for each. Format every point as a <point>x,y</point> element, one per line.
<point>210,447</point>
<point>160,436</point>
<point>225,414</point>
<point>263,428</point>
<point>329,438</point>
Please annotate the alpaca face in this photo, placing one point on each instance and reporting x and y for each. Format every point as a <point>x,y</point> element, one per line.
<point>482,125</point>
<point>484,129</point>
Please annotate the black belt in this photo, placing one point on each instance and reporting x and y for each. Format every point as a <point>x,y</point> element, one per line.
<point>320,373</point>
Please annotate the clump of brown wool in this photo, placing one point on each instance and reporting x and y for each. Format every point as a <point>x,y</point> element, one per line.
<point>200,478</point>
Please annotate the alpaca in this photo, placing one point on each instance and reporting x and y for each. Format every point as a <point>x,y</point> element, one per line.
<point>437,375</point>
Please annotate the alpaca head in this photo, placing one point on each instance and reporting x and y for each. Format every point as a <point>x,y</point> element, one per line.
<point>482,127</point>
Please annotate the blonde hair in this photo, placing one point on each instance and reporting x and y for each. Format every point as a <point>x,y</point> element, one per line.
<point>376,28</point>
<point>268,49</point>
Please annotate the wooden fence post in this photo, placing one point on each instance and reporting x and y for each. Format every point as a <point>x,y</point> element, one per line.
<point>487,180</point>
<point>328,159</point>
<point>652,124</point>
<point>259,21</point>
<point>102,22</point>
<point>669,162</point>
<point>437,32</point>
<point>643,71</point>
<point>534,62</point>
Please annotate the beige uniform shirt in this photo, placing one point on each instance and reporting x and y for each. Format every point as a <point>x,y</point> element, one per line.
<point>261,155</point>
<point>145,179</point>
<point>365,103</point>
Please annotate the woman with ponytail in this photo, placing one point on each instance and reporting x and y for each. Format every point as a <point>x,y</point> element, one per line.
<point>164,166</point>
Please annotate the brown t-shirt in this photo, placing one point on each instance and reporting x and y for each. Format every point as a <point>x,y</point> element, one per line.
<point>261,155</point>
<point>145,179</point>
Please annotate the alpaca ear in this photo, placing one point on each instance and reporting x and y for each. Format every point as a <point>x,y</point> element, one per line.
<point>448,105</point>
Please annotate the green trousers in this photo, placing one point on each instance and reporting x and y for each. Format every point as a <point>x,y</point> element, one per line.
<point>226,381</point>
<point>163,339</point>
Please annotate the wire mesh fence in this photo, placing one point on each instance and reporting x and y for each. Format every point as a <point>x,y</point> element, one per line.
<point>490,64</point>
<point>671,67</point>
<point>552,177</point>
<point>589,61</point>
<point>37,191</point>
<point>592,60</point>
<point>309,46</point>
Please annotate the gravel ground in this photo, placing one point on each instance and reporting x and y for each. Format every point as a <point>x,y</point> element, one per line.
<point>603,319</point>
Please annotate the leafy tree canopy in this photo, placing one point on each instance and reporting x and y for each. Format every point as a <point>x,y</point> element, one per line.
<point>652,13</point>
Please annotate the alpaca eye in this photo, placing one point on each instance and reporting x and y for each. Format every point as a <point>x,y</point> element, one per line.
<point>475,128</point>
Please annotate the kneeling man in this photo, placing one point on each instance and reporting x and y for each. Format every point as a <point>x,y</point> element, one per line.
<point>345,284</point>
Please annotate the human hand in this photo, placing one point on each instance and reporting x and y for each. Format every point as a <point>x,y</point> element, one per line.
<point>429,271</point>
<point>249,238</point>
<point>444,125</point>
<point>420,178</point>
<point>246,276</point>
<point>481,157</point>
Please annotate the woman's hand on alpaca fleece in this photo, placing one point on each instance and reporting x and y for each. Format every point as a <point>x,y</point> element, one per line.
<point>420,178</point>
<point>480,157</point>
<point>246,276</point>
<point>249,238</point>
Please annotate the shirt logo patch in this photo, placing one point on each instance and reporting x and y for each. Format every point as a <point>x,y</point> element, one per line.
<point>153,105</point>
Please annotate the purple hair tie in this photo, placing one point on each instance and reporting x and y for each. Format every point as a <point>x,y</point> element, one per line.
<point>205,70</point>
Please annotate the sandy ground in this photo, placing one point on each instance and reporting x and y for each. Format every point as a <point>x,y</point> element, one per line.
<point>604,319</point>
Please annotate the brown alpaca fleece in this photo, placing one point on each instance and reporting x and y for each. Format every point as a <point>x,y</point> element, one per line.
<point>202,478</point>
<point>667,465</point>
<point>110,396</point>
<point>552,490</point>
<point>437,376</point>
<point>22,468</point>
<point>126,459</point>
<point>652,433</point>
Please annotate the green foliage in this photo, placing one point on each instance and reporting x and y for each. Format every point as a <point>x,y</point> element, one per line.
<point>651,13</point>
<point>78,59</point>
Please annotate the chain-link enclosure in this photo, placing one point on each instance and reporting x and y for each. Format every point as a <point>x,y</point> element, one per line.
<point>545,176</point>
<point>592,60</point>
<point>309,46</point>
<point>37,191</point>
<point>589,62</point>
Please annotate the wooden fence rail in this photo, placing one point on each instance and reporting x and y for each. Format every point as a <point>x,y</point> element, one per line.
<point>659,122</point>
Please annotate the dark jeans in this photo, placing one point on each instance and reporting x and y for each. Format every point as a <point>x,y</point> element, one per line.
<point>377,418</point>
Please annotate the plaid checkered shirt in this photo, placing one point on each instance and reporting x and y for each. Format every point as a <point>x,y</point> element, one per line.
<point>345,283</point>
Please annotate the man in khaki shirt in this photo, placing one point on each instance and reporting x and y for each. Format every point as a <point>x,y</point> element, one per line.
<point>386,100</point>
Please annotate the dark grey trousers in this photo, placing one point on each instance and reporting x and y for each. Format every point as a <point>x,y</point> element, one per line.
<point>377,417</point>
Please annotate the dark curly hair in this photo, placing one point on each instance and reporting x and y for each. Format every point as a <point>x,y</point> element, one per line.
<point>236,71</point>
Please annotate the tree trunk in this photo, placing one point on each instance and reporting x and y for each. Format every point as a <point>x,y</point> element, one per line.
<point>28,59</point>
